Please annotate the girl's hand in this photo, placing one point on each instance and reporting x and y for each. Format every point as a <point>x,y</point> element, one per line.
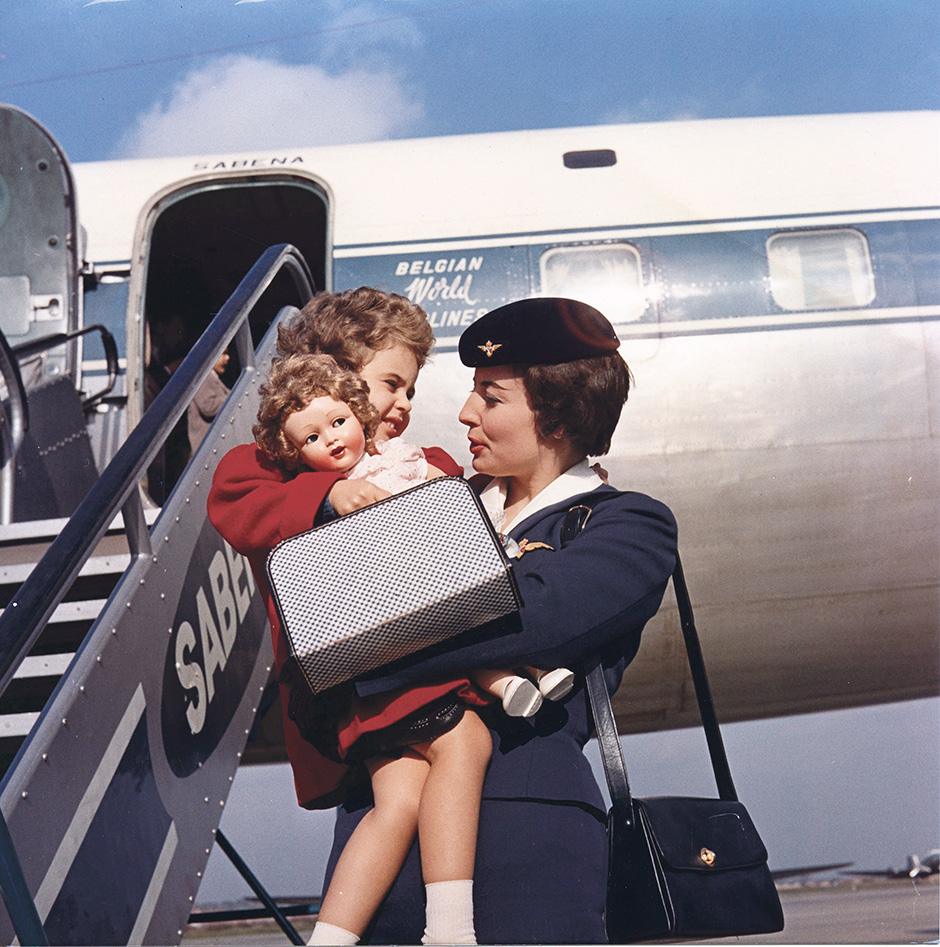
<point>434,472</point>
<point>348,495</point>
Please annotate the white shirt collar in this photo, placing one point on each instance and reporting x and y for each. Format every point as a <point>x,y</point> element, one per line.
<point>575,481</point>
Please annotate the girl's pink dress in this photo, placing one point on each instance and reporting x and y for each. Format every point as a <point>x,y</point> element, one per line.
<point>396,466</point>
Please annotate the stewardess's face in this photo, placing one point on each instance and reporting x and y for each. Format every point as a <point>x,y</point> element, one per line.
<point>501,424</point>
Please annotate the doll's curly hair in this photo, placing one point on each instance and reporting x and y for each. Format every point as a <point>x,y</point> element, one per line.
<point>292,384</point>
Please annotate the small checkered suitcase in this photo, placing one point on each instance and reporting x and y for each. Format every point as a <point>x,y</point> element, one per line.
<point>388,580</point>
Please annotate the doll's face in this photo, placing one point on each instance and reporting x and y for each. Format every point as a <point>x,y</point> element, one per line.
<point>327,434</point>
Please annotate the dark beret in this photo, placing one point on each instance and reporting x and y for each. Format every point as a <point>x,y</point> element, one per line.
<point>541,331</point>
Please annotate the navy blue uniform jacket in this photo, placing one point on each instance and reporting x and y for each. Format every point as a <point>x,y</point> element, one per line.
<point>595,594</point>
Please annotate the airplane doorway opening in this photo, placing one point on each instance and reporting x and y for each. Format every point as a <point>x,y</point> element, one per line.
<point>202,242</point>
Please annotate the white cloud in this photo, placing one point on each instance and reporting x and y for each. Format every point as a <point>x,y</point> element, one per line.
<point>383,32</point>
<point>664,109</point>
<point>241,102</point>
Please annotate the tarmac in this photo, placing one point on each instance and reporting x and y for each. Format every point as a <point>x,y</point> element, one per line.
<point>847,912</point>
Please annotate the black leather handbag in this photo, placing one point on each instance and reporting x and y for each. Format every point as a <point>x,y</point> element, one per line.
<point>680,867</point>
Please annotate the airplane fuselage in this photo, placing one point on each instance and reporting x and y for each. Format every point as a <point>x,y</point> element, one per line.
<point>776,286</point>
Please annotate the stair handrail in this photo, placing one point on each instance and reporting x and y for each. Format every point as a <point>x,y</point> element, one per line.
<point>117,488</point>
<point>14,423</point>
<point>46,342</point>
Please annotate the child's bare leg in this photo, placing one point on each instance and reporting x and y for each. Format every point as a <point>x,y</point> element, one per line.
<point>376,850</point>
<point>450,802</point>
<point>447,828</point>
<point>492,681</point>
<point>520,697</point>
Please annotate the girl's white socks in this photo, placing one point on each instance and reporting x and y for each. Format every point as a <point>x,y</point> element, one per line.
<point>449,918</point>
<point>330,934</point>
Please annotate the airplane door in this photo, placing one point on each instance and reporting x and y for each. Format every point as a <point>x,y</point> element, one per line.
<point>39,237</point>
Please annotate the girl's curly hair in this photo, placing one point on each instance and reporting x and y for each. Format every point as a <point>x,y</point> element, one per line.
<point>353,325</point>
<point>292,384</point>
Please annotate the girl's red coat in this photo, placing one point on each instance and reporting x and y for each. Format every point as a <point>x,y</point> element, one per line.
<point>254,506</point>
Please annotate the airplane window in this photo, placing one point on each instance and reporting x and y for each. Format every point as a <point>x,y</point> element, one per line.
<point>820,269</point>
<point>105,301</point>
<point>608,276</point>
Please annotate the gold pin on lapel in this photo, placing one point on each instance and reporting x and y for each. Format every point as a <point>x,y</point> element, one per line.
<point>525,546</point>
<point>707,856</point>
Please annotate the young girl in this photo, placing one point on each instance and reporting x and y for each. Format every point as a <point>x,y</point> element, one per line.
<point>315,414</point>
<point>430,776</point>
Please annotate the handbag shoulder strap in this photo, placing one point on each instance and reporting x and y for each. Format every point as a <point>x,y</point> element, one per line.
<point>703,693</point>
<point>608,739</point>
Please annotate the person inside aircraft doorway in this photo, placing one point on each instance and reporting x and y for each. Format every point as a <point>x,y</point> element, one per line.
<point>177,312</point>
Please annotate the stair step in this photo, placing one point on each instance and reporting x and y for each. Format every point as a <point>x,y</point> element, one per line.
<point>17,573</point>
<point>46,665</point>
<point>85,610</point>
<point>17,725</point>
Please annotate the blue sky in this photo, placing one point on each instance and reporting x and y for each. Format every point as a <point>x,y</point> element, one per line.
<point>115,78</point>
<point>140,78</point>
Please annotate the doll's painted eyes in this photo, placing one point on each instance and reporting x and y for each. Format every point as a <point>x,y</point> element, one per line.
<point>313,438</point>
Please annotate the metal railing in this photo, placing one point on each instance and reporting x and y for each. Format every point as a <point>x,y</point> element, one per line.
<point>14,423</point>
<point>25,349</point>
<point>14,413</point>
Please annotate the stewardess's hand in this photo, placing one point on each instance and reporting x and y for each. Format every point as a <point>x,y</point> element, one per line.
<point>348,495</point>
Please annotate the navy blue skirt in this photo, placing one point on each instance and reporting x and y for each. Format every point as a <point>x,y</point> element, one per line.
<point>540,878</point>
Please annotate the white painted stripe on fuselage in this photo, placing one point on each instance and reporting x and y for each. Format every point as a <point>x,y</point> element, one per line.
<point>809,319</point>
<point>767,322</point>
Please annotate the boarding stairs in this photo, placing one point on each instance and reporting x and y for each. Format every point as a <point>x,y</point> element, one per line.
<point>21,548</point>
<point>133,660</point>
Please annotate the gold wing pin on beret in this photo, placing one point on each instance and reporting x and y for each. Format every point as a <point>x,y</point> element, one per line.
<point>490,347</point>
